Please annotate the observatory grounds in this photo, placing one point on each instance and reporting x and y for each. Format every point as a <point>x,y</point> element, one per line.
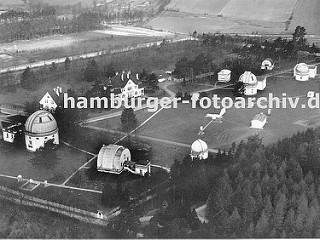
<point>172,127</point>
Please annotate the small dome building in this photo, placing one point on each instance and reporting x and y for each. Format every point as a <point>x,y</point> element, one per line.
<point>199,149</point>
<point>111,159</point>
<point>267,64</point>
<point>301,72</point>
<point>40,128</point>
<point>251,83</point>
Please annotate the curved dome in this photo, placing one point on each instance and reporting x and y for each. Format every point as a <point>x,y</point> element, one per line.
<point>268,61</point>
<point>199,146</point>
<point>41,122</point>
<point>248,78</point>
<point>112,157</point>
<point>302,68</point>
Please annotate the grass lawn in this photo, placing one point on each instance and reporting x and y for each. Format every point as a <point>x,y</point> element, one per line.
<point>54,167</point>
<point>182,124</point>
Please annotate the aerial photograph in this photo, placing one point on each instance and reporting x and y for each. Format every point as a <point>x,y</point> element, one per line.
<point>159,119</point>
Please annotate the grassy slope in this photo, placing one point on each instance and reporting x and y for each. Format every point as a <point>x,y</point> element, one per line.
<point>84,3</point>
<point>306,14</point>
<point>212,7</point>
<point>271,10</point>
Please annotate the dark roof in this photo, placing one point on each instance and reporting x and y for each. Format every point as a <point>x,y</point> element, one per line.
<point>120,80</point>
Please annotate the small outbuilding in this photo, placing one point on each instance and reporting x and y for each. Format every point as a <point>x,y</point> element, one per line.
<point>10,133</point>
<point>199,150</point>
<point>111,159</point>
<point>267,64</point>
<point>312,71</point>
<point>224,76</point>
<point>259,121</point>
<point>310,94</point>
<point>262,83</point>
<point>142,168</point>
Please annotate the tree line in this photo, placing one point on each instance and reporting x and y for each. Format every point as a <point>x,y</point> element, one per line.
<point>263,191</point>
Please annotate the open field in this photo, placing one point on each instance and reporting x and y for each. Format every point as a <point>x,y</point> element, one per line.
<point>60,46</point>
<point>239,16</point>
<point>84,3</point>
<point>188,23</point>
<point>211,7</point>
<point>305,14</point>
<point>271,10</point>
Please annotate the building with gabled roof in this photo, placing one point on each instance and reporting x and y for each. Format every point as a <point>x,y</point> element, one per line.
<point>50,102</point>
<point>126,85</point>
<point>259,121</point>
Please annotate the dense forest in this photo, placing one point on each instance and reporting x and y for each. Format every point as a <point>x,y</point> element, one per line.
<point>266,191</point>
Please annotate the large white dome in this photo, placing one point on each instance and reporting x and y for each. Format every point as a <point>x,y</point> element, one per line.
<point>41,123</point>
<point>302,69</point>
<point>248,78</point>
<point>199,146</point>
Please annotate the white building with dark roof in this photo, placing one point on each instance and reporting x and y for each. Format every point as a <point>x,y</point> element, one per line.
<point>51,101</point>
<point>259,121</point>
<point>126,85</point>
<point>40,128</point>
<point>9,133</point>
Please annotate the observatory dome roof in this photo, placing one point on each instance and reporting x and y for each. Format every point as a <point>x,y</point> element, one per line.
<point>248,78</point>
<point>41,122</point>
<point>199,146</point>
<point>302,68</point>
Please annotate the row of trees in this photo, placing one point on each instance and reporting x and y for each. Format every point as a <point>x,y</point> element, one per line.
<point>31,27</point>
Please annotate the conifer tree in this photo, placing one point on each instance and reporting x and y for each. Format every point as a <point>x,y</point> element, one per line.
<point>262,226</point>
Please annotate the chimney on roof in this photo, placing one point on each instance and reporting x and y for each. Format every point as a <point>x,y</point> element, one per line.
<point>137,76</point>
<point>122,76</point>
<point>128,74</point>
<point>56,90</point>
<point>117,73</point>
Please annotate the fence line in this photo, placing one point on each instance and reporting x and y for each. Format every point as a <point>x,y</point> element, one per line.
<point>83,215</point>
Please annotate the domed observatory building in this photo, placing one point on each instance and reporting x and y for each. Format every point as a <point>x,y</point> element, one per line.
<point>250,82</point>
<point>267,64</point>
<point>111,159</point>
<point>199,150</point>
<point>301,72</point>
<point>40,128</point>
